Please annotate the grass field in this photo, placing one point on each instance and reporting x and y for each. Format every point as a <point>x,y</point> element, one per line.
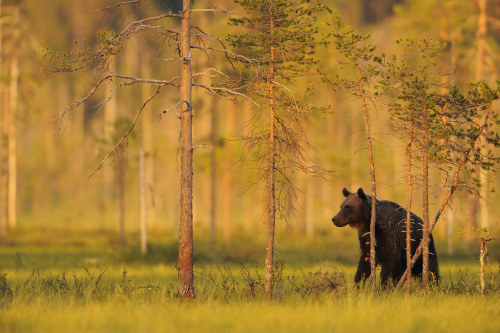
<point>95,287</point>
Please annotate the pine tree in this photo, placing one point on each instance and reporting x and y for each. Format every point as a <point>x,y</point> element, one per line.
<point>358,74</point>
<point>280,38</point>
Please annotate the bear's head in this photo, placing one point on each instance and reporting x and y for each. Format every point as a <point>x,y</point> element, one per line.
<point>355,210</point>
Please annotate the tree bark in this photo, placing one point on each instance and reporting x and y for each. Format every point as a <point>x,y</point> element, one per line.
<point>4,159</point>
<point>373,217</point>
<point>228,179</point>
<point>271,176</point>
<point>482,33</point>
<point>13,106</point>
<point>142,202</point>
<point>213,170</point>
<point>120,175</point>
<point>109,132</point>
<point>483,252</point>
<point>185,286</point>
<point>408,208</point>
<point>425,204</point>
<point>147,143</point>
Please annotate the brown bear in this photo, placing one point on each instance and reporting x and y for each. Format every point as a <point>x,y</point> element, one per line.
<point>390,236</point>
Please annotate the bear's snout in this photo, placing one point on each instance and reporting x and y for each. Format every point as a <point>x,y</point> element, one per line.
<point>337,222</point>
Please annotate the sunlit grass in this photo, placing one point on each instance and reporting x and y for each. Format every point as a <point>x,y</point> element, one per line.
<point>94,286</point>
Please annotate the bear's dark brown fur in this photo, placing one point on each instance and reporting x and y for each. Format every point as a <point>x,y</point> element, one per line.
<point>390,236</point>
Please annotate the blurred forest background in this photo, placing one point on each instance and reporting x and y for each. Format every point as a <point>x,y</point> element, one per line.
<point>57,203</point>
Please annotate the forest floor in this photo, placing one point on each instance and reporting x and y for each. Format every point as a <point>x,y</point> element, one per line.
<point>96,287</point>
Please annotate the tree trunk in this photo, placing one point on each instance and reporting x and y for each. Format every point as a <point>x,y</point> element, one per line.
<point>142,202</point>
<point>373,217</point>
<point>145,157</point>
<point>408,209</point>
<point>213,170</point>
<point>185,286</point>
<point>271,210</point>
<point>13,105</point>
<point>3,220</point>
<point>482,33</point>
<point>4,157</point>
<point>449,230</point>
<point>249,203</point>
<point>425,204</point>
<point>228,178</point>
<point>120,176</point>
<point>109,132</point>
<point>303,202</point>
<point>147,142</point>
<point>483,252</point>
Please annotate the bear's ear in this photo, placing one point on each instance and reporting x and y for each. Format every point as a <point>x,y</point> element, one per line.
<point>345,192</point>
<point>361,194</point>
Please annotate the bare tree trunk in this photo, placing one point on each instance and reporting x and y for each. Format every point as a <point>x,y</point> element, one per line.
<point>482,33</point>
<point>228,179</point>
<point>111,179</point>
<point>483,252</point>
<point>13,105</point>
<point>143,210</point>
<point>425,204</point>
<point>145,158</point>
<point>271,210</point>
<point>408,209</point>
<point>373,186</point>
<point>213,170</point>
<point>109,131</point>
<point>248,204</point>
<point>4,158</point>
<point>3,220</point>
<point>185,286</point>
<point>303,202</point>
<point>120,176</point>
<point>450,232</point>
<point>147,144</point>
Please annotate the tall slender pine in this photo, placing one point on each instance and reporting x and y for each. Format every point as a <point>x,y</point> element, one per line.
<point>280,36</point>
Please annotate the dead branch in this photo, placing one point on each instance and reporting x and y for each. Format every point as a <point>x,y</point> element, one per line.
<point>216,90</point>
<point>238,57</point>
<point>78,103</point>
<point>215,9</point>
<point>125,135</point>
<point>162,83</point>
<point>130,2</point>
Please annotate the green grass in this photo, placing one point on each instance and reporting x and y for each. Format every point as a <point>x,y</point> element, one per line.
<point>93,286</point>
<point>354,313</point>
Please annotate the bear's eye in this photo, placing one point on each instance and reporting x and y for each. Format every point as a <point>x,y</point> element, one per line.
<point>347,208</point>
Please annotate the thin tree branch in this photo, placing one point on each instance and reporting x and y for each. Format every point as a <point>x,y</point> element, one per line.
<point>125,135</point>
<point>215,90</point>
<point>78,103</point>
<point>130,2</point>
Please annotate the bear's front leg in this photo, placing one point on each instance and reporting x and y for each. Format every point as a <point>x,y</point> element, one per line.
<point>364,268</point>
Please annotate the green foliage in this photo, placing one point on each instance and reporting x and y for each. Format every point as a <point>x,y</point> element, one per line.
<point>455,121</point>
<point>417,82</point>
<point>294,33</point>
<point>358,61</point>
<point>280,37</point>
